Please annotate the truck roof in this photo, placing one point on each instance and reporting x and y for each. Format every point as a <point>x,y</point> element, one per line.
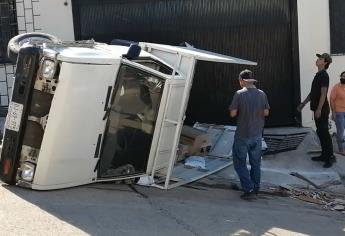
<point>98,54</point>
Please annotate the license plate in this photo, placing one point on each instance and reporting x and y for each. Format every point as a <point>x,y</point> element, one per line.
<point>14,116</point>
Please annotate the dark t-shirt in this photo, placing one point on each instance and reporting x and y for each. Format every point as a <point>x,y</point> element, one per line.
<point>250,104</point>
<point>321,79</point>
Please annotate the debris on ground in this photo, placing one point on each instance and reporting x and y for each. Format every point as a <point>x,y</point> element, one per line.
<point>338,208</point>
<point>195,162</point>
<point>326,199</point>
<point>302,177</point>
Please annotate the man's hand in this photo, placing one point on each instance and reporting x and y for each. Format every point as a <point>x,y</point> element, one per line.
<point>300,107</point>
<point>317,114</point>
<point>322,100</point>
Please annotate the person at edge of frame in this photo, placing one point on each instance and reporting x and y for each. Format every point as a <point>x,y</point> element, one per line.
<point>337,102</point>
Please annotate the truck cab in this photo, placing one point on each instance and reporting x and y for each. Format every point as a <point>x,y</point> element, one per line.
<point>85,112</point>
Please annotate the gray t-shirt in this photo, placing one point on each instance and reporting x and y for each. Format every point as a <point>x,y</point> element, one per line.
<point>250,104</point>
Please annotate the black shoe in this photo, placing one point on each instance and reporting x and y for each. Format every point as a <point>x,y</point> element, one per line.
<point>318,158</point>
<point>248,196</point>
<point>328,164</point>
<point>333,159</point>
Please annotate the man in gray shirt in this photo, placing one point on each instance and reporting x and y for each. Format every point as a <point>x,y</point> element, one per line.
<point>250,105</point>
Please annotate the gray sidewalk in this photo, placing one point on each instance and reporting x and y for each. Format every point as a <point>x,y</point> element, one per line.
<point>278,169</point>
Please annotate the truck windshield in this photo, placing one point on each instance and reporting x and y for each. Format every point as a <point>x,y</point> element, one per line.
<point>132,118</point>
<point>154,64</point>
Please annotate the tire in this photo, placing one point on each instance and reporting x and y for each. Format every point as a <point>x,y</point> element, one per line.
<point>31,38</point>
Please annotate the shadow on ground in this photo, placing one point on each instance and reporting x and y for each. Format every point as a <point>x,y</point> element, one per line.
<point>109,209</point>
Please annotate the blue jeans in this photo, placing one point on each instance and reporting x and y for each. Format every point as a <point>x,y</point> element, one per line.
<point>250,180</point>
<point>340,123</point>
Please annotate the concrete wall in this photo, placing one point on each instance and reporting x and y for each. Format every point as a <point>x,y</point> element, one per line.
<point>314,37</point>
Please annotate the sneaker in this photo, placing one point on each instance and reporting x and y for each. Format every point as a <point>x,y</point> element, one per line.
<point>318,158</point>
<point>248,196</point>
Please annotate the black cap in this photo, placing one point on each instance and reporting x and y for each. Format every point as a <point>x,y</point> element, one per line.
<point>247,75</point>
<point>326,57</point>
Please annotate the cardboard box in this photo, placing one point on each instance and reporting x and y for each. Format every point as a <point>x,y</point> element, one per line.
<point>197,140</point>
<point>182,152</point>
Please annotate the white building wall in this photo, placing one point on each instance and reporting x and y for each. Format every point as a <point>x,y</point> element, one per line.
<point>314,37</point>
<point>48,16</point>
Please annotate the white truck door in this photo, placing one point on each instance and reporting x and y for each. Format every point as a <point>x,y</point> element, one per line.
<point>69,152</point>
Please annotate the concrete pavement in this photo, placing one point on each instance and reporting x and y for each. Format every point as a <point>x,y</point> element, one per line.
<point>110,209</point>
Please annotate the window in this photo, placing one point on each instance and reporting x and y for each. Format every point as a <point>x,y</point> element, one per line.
<point>337,22</point>
<point>131,122</point>
<point>8,26</point>
<point>154,64</point>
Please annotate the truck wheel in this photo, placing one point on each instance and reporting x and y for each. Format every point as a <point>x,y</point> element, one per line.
<point>28,38</point>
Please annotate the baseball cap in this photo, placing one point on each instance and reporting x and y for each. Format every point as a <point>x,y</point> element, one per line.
<point>247,75</point>
<point>325,56</point>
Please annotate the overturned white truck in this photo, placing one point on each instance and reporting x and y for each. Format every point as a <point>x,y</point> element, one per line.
<point>85,112</point>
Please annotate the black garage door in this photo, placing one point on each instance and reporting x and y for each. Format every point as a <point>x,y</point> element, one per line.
<point>262,31</point>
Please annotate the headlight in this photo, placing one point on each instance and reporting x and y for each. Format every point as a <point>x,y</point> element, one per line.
<point>48,69</point>
<point>28,171</point>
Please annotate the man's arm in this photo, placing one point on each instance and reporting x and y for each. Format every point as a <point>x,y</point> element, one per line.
<point>266,107</point>
<point>333,97</point>
<point>264,112</point>
<point>233,112</point>
<point>321,101</point>
<point>233,108</point>
<point>301,106</point>
<point>332,101</point>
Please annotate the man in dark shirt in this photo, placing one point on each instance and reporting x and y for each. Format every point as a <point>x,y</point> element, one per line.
<point>320,106</point>
<point>250,105</point>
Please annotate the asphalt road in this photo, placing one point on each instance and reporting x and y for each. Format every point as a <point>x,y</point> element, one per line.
<point>110,209</point>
